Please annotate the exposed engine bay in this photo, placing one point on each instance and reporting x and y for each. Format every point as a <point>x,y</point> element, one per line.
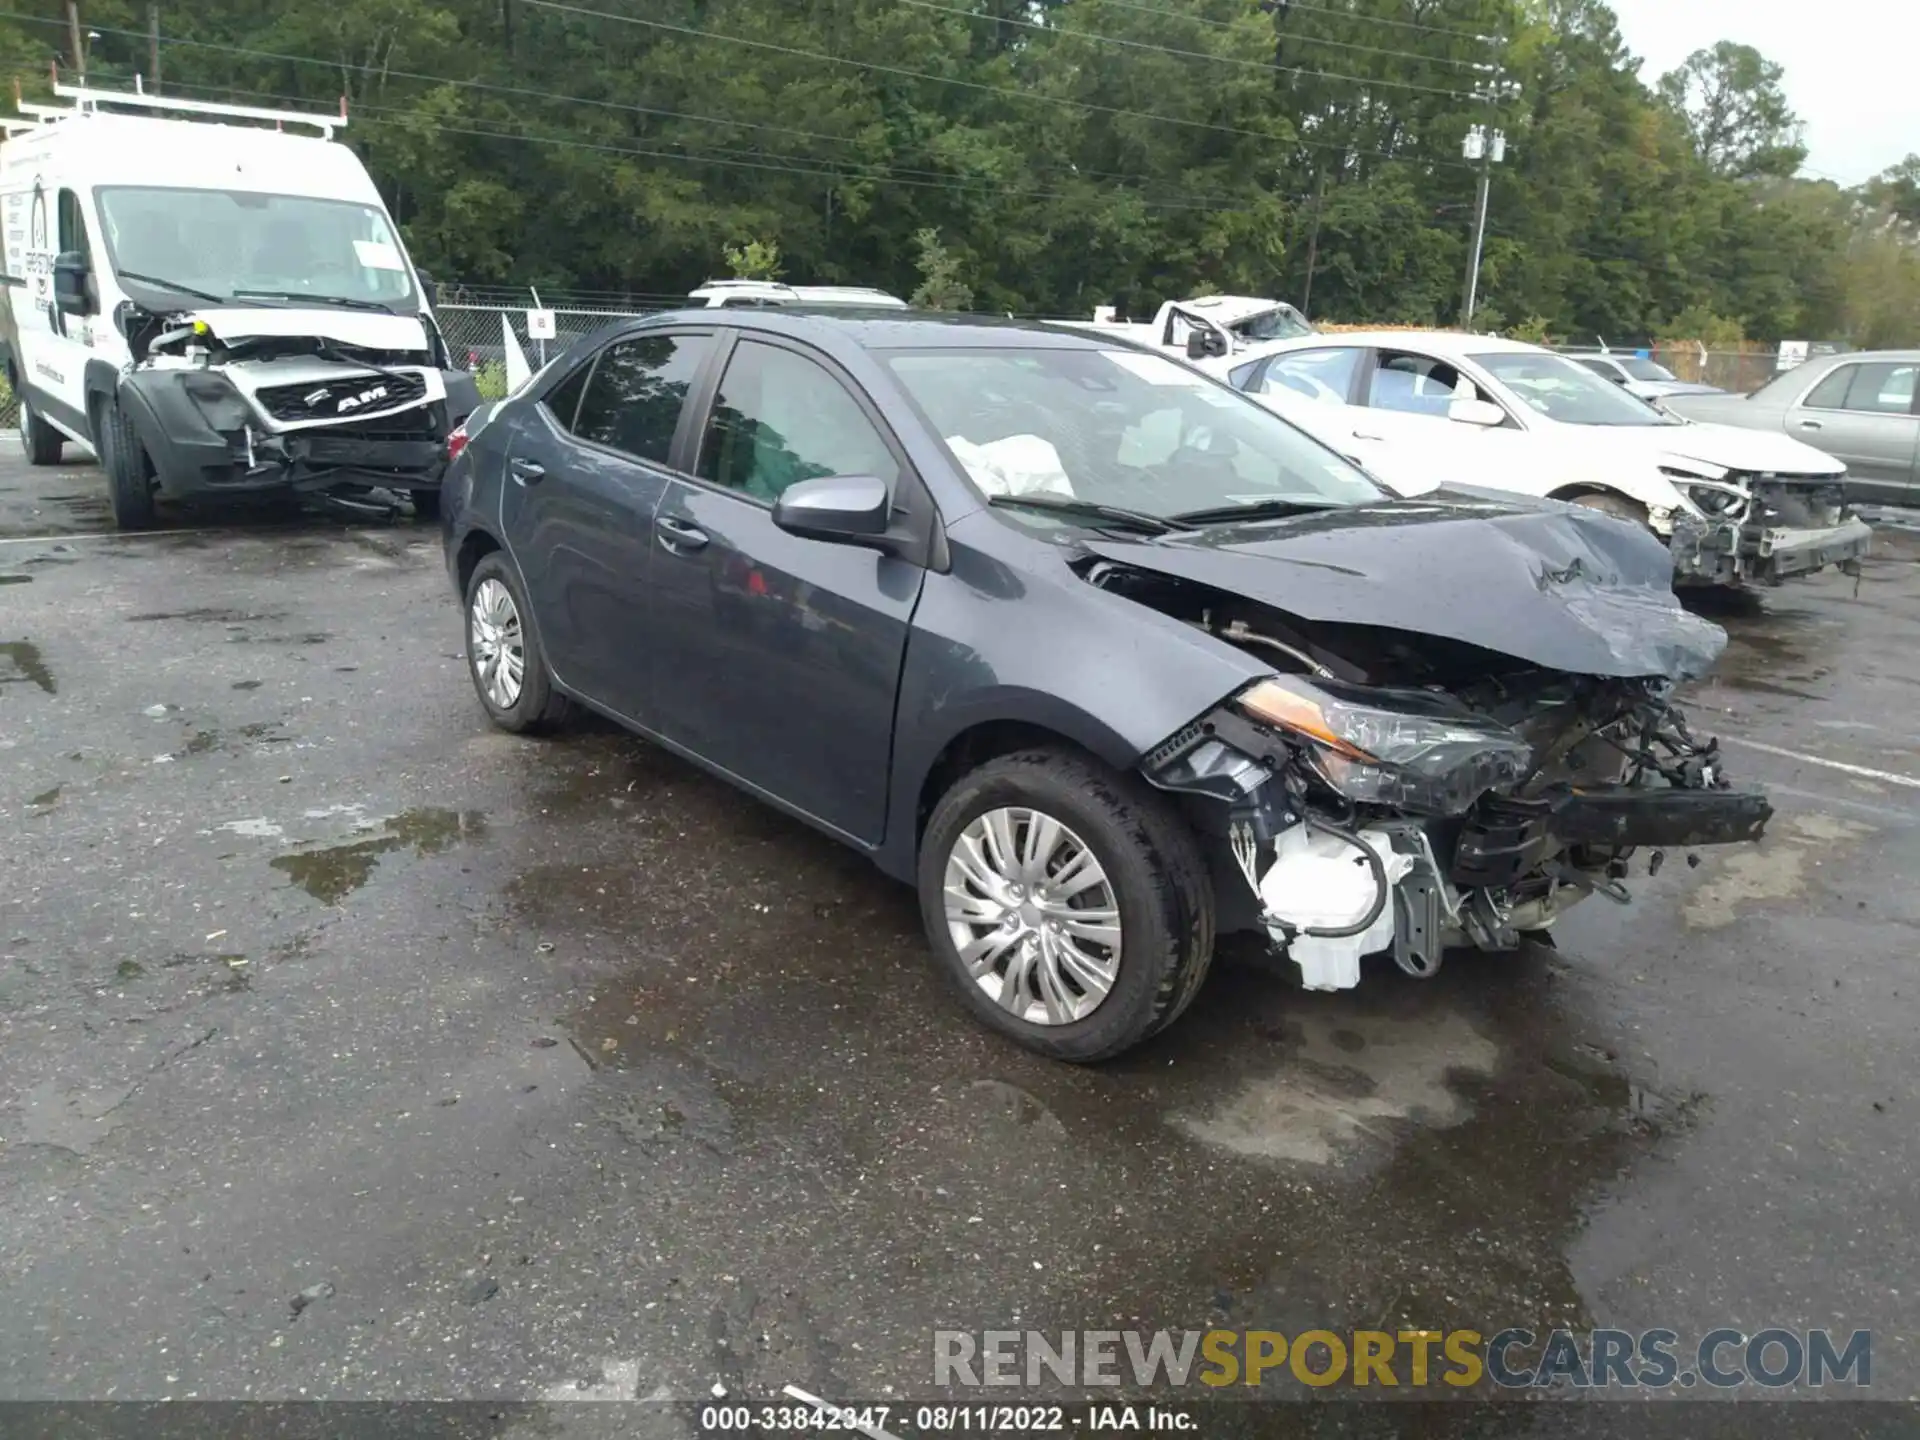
<point>1390,791</point>
<point>347,407</point>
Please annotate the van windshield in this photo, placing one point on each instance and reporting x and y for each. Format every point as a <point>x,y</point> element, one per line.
<point>228,241</point>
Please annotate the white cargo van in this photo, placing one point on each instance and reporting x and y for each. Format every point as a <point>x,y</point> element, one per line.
<point>216,305</point>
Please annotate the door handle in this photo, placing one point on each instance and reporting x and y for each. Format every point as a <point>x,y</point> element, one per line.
<point>1808,424</point>
<point>1367,435</point>
<point>526,472</point>
<point>678,535</point>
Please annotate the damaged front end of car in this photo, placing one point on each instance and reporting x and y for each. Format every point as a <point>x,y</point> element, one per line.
<point>355,425</point>
<point>1760,529</point>
<point>1461,777</point>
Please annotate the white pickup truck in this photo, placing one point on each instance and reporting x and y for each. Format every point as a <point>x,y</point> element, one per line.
<point>1210,326</point>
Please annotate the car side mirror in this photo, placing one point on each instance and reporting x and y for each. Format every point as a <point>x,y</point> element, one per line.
<point>840,509</point>
<point>1483,413</point>
<point>70,283</point>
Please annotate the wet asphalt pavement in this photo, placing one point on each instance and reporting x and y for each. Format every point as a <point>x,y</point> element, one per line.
<point>350,1049</point>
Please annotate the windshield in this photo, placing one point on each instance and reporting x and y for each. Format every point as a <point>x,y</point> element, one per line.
<point>223,241</point>
<point>1281,323</point>
<point>1117,428</point>
<point>1561,390</point>
<point>1641,369</point>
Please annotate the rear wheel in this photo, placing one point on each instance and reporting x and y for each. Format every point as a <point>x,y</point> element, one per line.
<point>503,654</point>
<point>1069,903</point>
<point>39,441</point>
<point>130,476</point>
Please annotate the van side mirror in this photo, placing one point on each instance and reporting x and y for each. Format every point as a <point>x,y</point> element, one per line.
<point>1203,343</point>
<point>70,283</point>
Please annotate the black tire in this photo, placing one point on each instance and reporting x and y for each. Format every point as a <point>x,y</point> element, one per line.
<point>538,707</point>
<point>1160,883</point>
<point>42,443</point>
<point>426,505</point>
<point>129,472</point>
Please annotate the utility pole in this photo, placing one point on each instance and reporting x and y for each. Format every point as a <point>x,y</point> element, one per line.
<point>1489,147</point>
<point>1313,246</point>
<point>153,42</point>
<point>75,40</point>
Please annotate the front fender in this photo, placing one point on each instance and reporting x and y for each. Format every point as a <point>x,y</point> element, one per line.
<point>1042,648</point>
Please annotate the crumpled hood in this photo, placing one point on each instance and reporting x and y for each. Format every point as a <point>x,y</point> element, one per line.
<point>1555,585</point>
<point>363,328</point>
<point>1724,446</point>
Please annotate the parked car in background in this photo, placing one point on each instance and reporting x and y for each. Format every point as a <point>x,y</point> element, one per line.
<point>1101,656</point>
<point>1421,409</point>
<point>759,294</point>
<point>1862,408</point>
<point>1640,376</point>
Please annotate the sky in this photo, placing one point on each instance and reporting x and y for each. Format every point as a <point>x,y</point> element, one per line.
<point>1850,67</point>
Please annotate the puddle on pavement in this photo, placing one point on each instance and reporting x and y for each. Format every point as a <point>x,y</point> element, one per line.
<point>22,663</point>
<point>777,1041</point>
<point>1773,652</point>
<point>220,616</point>
<point>16,579</point>
<point>330,873</point>
<point>46,798</point>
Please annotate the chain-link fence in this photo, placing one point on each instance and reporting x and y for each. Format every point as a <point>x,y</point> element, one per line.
<point>476,334</point>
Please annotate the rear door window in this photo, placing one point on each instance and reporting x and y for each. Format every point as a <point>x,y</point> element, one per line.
<point>633,400</point>
<point>1884,388</point>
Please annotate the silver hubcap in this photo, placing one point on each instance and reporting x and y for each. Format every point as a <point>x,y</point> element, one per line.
<point>499,652</point>
<point>1033,916</point>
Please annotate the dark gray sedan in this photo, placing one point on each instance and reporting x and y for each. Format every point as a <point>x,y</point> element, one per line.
<point>1862,408</point>
<point>1099,654</point>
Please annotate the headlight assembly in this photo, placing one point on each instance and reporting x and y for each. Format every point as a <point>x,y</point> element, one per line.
<point>1716,499</point>
<point>1404,749</point>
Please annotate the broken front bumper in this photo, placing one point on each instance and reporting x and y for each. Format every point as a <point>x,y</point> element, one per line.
<point>1705,553</point>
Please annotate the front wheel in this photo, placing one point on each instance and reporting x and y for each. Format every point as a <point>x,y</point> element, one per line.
<point>130,477</point>
<point>503,654</point>
<point>1069,903</point>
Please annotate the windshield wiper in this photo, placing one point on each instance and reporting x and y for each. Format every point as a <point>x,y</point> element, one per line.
<point>1275,509</point>
<point>1088,510</point>
<point>175,286</point>
<point>346,302</point>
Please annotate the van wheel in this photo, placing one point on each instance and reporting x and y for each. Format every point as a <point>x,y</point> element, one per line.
<point>39,440</point>
<point>129,472</point>
<point>1069,903</point>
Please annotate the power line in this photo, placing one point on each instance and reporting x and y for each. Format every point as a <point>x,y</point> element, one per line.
<point>1335,14</point>
<point>1267,65</point>
<point>411,119</point>
<point>1296,39</point>
<point>1087,105</point>
<point>1203,201</point>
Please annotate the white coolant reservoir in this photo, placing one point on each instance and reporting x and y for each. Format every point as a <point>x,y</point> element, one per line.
<point>1319,881</point>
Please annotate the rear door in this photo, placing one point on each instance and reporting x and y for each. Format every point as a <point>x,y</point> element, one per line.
<point>585,470</point>
<point>776,658</point>
<point>1865,414</point>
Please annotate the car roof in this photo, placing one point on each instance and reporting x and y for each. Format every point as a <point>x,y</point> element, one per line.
<point>1438,342</point>
<point>872,328</point>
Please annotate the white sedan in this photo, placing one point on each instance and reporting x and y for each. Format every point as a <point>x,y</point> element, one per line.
<point>1422,409</point>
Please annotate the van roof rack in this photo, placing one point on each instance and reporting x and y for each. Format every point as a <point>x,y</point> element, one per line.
<point>88,101</point>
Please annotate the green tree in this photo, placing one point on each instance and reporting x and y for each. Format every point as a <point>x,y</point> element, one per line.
<point>941,287</point>
<point>753,260</point>
<point>1733,102</point>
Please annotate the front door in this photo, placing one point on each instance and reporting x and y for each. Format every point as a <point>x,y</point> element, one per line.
<point>54,346</point>
<point>585,471</point>
<point>1864,414</point>
<point>776,658</point>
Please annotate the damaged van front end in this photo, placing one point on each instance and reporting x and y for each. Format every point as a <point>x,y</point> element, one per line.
<point>348,409</point>
<point>1436,764</point>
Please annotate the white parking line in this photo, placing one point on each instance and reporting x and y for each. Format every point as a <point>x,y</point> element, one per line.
<point>1887,776</point>
<point>99,535</point>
